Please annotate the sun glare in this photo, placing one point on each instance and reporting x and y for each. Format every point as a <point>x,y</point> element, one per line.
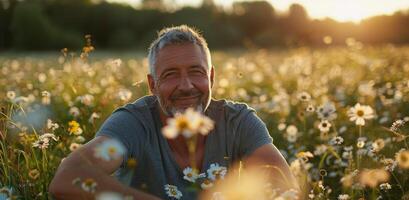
<point>344,10</point>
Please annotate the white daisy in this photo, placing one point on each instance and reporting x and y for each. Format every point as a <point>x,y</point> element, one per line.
<point>216,172</point>
<point>206,184</point>
<point>310,108</point>
<point>89,185</point>
<point>93,117</point>
<point>304,96</point>
<point>52,126</point>
<point>124,95</point>
<point>191,175</point>
<point>336,140</point>
<point>343,197</point>
<point>74,111</point>
<point>378,145</point>
<point>74,146</point>
<point>291,133</point>
<point>42,143</point>
<point>109,150</point>
<point>327,111</point>
<point>79,139</point>
<point>172,191</point>
<point>11,95</point>
<point>385,186</point>
<point>361,142</point>
<point>359,113</point>
<point>324,126</point>
<point>48,136</point>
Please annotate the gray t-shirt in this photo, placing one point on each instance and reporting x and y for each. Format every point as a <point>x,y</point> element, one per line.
<point>237,133</point>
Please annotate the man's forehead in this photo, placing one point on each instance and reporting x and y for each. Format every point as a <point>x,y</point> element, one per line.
<point>181,55</point>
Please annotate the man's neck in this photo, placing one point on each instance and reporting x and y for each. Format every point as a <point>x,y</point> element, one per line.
<point>163,117</point>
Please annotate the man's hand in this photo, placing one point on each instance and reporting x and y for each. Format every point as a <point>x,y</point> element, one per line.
<point>84,165</point>
<point>269,158</point>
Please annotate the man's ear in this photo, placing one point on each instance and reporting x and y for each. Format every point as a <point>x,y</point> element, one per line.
<point>212,76</point>
<point>151,83</point>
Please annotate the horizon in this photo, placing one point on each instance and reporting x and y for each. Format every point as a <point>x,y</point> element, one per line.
<point>317,9</point>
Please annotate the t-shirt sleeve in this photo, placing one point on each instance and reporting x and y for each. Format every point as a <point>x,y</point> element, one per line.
<point>127,129</point>
<point>253,134</point>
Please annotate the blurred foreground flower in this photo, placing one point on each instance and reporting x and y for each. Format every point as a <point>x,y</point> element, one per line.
<point>251,184</point>
<point>110,149</point>
<point>373,177</point>
<point>402,157</point>
<point>359,113</point>
<point>188,124</point>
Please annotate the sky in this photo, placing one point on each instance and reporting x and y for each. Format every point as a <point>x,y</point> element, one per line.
<point>340,10</point>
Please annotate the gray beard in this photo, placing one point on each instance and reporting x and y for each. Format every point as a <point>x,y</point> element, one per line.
<point>198,108</point>
<point>171,112</point>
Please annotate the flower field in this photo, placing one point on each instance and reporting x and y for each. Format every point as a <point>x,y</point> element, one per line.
<point>339,115</point>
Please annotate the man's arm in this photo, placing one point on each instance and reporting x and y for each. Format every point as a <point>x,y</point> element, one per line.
<point>83,164</point>
<point>269,159</point>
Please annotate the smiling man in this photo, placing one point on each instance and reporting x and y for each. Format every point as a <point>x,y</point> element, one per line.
<point>181,76</point>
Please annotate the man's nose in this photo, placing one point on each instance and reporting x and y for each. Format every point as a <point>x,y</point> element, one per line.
<point>185,83</point>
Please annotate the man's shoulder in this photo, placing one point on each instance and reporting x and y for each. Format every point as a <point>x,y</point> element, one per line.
<point>140,107</point>
<point>229,106</point>
<point>143,102</point>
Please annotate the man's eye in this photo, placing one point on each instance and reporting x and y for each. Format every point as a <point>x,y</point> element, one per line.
<point>196,72</point>
<point>169,74</point>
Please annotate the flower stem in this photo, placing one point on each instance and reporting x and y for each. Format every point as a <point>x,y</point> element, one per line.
<point>399,184</point>
<point>358,162</point>
<point>191,146</point>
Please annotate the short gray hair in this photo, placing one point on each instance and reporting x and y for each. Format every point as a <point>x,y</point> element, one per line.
<point>176,35</point>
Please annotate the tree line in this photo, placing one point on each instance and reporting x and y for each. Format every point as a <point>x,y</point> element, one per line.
<point>56,24</point>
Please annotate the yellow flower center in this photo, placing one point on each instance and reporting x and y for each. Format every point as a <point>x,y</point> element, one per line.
<point>111,150</point>
<point>88,182</point>
<point>182,123</point>
<point>131,163</point>
<point>360,113</point>
<point>403,158</point>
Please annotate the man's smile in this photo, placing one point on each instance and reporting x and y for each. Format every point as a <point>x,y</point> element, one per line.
<point>186,99</point>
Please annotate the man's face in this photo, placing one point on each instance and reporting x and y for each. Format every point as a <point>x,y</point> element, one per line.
<point>183,78</point>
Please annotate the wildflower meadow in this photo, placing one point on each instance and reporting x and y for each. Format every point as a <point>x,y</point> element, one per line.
<point>339,115</point>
